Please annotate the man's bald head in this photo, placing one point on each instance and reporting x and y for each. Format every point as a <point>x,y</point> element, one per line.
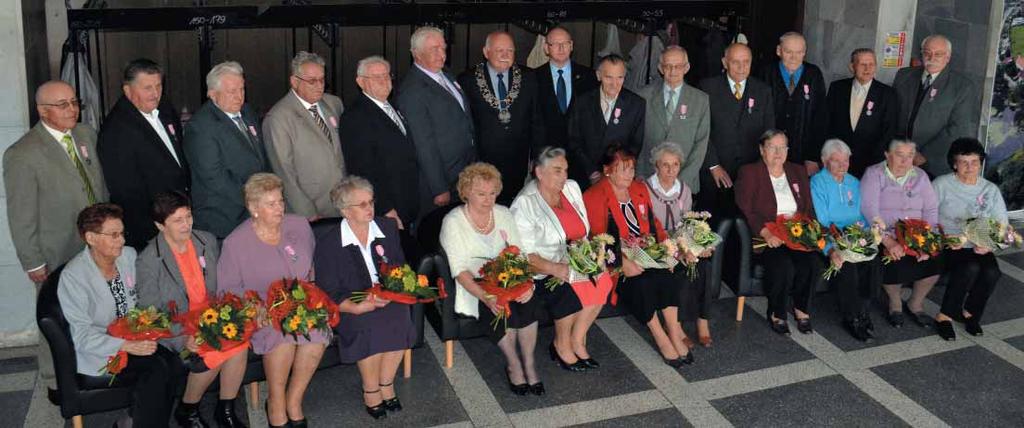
<point>558,46</point>
<point>57,105</point>
<point>737,61</point>
<point>500,51</point>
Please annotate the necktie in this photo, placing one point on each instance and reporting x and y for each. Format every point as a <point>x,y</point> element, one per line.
<point>856,105</point>
<point>70,147</point>
<point>241,127</point>
<point>606,109</point>
<point>502,92</point>
<point>320,122</point>
<point>792,83</point>
<point>737,91</point>
<point>394,117</point>
<point>562,93</point>
<point>670,105</point>
<point>927,81</point>
<point>451,89</point>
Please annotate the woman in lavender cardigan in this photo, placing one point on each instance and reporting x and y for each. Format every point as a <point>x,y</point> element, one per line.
<point>892,190</point>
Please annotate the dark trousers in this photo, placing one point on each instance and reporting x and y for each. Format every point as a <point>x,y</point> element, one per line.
<point>855,286</point>
<point>695,301</point>
<point>155,379</point>
<point>789,273</point>
<point>972,278</point>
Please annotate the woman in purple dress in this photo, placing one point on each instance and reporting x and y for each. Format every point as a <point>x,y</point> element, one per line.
<point>372,333</point>
<point>265,248</point>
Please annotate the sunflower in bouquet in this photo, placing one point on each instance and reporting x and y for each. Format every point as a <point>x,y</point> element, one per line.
<point>918,238</point>
<point>695,237</point>
<point>299,307</point>
<point>223,323</point>
<point>588,257</point>
<point>138,324</point>
<point>798,232</point>
<point>506,277</point>
<point>990,233</point>
<point>403,285</point>
<point>855,243</point>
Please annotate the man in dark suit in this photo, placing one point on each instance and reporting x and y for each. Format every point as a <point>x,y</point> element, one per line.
<point>503,99</point>
<point>798,90</point>
<point>935,105</point>
<point>606,115</point>
<point>862,112</point>
<point>557,99</point>
<point>741,110</point>
<point>437,112</point>
<point>224,146</point>
<point>140,149</point>
<point>377,145</point>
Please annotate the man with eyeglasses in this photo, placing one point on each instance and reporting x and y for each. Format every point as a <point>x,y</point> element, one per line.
<point>50,174</point>
<point>302,141</point>
<point>558,83</point>
<point>676,112</point>
<point>140,149</point>
<point>936,105</point>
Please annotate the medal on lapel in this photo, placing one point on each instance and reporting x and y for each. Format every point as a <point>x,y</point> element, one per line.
<point>617,113</point>
<point>871,105</point>
<point>807,92</point>
<point>932,93</point>
<point>750,105</point>
<point>682,111</point>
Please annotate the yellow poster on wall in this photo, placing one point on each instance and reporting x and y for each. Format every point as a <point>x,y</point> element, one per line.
<point>895,46</point>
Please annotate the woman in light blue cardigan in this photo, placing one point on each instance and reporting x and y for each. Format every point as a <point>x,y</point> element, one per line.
<point>98,286</point>
<point>973,270</point>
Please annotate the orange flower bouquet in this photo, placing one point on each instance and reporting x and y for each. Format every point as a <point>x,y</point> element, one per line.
<point>917,238</point>
<point>223,323</point>
<point>506,277</point>
<point>798,232</point>
<point>298,307</point>
<point>137,324</point>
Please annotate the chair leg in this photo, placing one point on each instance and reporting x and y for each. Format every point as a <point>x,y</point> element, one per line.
<point>407,363</point>
<point>77,421</point>
<point>449,351</point>
<point>254,395</point>
<point>740,302</point>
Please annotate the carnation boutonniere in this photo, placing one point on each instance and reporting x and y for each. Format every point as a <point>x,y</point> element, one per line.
<point>643,209</point>
<point>85,154</point>
<point>617,113</point>
<point>170,128</point>
<point>909,189</point>
<point>334,121</point>
<point>750,105</point>
<point>291,253</point>
<point>796,189</point>
<point>871,106</point>
<point>202,262</point>
<point>380,252</point>
<point>981,202</point>
<point>252,130</point>
<point>807,92</point>
<point>682,111</point>
<point>129,282</point>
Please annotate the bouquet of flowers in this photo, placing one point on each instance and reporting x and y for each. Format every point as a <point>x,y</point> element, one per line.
<point>855,243</point>
<point>917,238</point>
<point>798,232</point>
<point>694,236</point>
<point>506,277</point>
<point>223,323</point>
<point>298,307</point>
<point>138,324</point>
<point>588,256</point>
<point>990,233</point>
<point>403,285</point>
<point>647,252</point>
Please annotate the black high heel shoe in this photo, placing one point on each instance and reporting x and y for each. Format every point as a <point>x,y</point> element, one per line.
<point>378,411</point>
<point>537,389</point>
<point>517,389</point>
<point>266,411</point>
<point>578,366</point>
<point>391,404</point>
<point>589,363</point>
<point>225,415</point>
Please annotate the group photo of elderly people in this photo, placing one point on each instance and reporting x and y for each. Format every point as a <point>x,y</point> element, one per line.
<point>310,222</point>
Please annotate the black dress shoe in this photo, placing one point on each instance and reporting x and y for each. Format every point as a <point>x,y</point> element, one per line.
<point>378,411</point>
<point>537,389</point>
<point>779,326</point>
<point>590,363</point>
<point>920,318</point>
<point>517,389</point>
<point>857,328</point>
<point>578,366</point>
<point>688,359</point>
<point>391,404</point>
<point>869,326</point>
<point>225,415</point>
<point>187,416</point>
<point>674,363</point>
<point>973,326</point>
<point>945,329</point>
<point>895,319</point>
<point>301,423</point>
<point>803,325</point>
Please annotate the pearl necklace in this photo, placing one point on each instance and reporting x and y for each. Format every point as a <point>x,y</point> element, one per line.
<point>481,230</point>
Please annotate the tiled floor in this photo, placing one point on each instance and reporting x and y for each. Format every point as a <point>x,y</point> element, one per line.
<point>751,377</point>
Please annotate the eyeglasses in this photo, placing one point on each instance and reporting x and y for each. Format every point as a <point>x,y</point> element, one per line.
<point>314,82</point>
<point>63,105</point>
<point>363,205</point>
<point>674,67</point>
<point>560,45</point>
<point>379,76</point>
<point>115,235</point>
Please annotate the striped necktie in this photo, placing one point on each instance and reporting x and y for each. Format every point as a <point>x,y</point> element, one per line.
<point>69,146</point>
<point>320,122</point>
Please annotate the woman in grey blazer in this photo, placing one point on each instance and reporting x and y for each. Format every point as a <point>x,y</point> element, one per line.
<point>98,286</point>
<point>180,265</point>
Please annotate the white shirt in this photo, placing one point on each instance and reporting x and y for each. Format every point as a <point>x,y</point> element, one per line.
<point>857,89</point>
<point>610,102</point>
<point>934,76</point>
<point>732,85</point>
<point>655,183</point>
<point>468,250</point>
<point>668,94</point>
<point>59,136</point>
<point>154,121</point>
<point>785,204</point>
<point>384,105</point>
<point>306,106</point>
<point>348,237</point>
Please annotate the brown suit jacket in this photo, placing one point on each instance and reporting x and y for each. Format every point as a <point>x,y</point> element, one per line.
<point>756,198</point>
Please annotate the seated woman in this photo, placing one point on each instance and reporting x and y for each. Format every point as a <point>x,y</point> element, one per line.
<point>98,286</point>
<point>267,247</point>
<point>892,190</point>
<point>765,190</point>
<point>973,270</point>
<point>620,206</point>
<point>836,196</point>
<point>179,265</point>
<point>549,213</point>
<point>670,201</point>
<point>373,334</point>
<point>470,236</point>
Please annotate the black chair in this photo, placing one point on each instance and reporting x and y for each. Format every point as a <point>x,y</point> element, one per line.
<point>76,394</point>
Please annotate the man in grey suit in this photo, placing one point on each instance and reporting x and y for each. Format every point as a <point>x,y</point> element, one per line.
<point>676,112</point>
<point>302,142</point>
<point>224,147</point>
<point>935,105</point>
<point>439,119</point>
<point>50,174</point>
